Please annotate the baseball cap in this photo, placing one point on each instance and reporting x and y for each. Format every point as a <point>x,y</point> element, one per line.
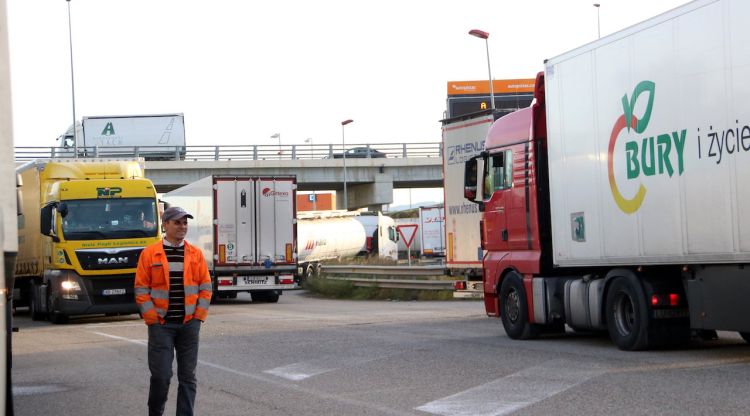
<point>174,213</point>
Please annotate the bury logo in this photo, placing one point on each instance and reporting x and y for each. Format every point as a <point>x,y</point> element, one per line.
<point>113,192</point>
<point>271,192</point>
<point>112,260</point>
<point>646,154</point>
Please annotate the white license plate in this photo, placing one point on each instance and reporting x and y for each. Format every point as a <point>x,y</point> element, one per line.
<point>111,292</point>
<point>251,280</point>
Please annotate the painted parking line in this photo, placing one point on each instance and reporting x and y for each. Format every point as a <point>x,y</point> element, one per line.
<point>306,369</point>
<point>515,391</point>
<point>298,371</point>
<point>39,389</point>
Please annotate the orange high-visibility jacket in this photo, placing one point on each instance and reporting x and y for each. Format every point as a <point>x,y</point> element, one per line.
<point>152,284</point>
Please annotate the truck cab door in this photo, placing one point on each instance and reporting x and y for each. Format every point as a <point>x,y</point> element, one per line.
<point>496,187</point>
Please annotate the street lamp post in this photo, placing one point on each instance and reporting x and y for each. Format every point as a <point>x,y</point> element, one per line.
<point>309,140</point>
<point>343,156</point>
<point>315,198</point>
<point>598,26</point>
<point>484,35</point>
<point>277,136</point>
<point>72,83</point>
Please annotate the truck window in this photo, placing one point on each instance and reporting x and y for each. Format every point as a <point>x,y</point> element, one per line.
<point>127,218</point>
<point>497,173</point>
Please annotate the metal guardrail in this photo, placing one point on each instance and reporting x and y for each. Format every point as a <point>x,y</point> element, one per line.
<point>232,152</point>
<point>390,271</point>
<point>385,270</point>
<point>399,283</point>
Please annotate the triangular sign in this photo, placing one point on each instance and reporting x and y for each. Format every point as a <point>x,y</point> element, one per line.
<point>408,235</point>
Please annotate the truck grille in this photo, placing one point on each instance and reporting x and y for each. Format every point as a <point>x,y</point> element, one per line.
<point>109,259</point>
<point>97,286</point>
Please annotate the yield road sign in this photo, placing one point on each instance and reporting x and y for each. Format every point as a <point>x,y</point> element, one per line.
<point>407,232</point>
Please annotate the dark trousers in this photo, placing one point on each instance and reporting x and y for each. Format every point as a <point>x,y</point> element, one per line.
<point>163,341</point>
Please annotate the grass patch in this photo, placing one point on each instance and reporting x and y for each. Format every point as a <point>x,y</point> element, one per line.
<point>342,289</point>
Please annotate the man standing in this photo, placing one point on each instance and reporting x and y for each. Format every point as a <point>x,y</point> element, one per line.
<point>173,291</point>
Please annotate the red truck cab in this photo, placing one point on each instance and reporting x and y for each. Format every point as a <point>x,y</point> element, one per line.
<point>509,196</point>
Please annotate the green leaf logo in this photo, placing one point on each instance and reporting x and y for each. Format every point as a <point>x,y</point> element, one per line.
<point>628,106</point>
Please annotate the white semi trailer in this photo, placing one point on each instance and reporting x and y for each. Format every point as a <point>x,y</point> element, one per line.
<point>246,227</point>
<point>463,139</point>
<point>8,217</point>
<point>431,231</point>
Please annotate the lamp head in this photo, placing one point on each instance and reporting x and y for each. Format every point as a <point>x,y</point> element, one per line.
<point>479,33</point>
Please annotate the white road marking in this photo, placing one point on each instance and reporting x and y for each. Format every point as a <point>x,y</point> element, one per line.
<point>511,393</point>
<point>113,325</point>
<point>298,371</point>
<point>132,341</point>
<point>30,390</point>
<point>306,369</point>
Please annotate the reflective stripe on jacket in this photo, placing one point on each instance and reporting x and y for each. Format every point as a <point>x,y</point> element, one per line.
<point>152,284</point>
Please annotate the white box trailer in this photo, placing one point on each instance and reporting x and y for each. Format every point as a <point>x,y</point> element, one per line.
<point>247,229</point>
<point>154,136</point>
<point>463,139</point>
<point>431,231</point>
<point>649,141</point>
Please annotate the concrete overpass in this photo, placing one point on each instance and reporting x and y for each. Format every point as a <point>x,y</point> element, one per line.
<point>370,182</point>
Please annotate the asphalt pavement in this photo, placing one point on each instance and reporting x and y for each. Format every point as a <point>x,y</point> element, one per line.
<point>311,356</point>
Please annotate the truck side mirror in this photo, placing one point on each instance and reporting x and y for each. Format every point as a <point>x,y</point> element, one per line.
<point>470,180</point>
<point>46,221</point>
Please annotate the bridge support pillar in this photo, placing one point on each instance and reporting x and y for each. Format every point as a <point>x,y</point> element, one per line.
<point>368,194</point>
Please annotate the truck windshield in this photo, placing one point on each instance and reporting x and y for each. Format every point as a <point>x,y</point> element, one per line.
<point>87,219</point>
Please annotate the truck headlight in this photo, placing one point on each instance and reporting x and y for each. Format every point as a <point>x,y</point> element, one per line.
<point>70,285</point>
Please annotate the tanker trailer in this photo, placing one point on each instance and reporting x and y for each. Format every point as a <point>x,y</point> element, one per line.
<point>321,238</point>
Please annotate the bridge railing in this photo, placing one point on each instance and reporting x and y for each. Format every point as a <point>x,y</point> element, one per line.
<point>234,152</point>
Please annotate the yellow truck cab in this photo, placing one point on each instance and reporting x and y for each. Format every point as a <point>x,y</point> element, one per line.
<point>84,224</point>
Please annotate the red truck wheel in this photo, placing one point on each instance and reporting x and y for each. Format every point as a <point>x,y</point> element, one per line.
<point>514,309</point>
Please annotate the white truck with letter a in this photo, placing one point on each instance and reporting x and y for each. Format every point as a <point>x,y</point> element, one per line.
<point>151,136</point>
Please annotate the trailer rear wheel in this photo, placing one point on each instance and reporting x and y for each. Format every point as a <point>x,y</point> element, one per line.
<point>627,314</point>
<point>268,296</point>
<point>745,336</point>
<point>309,273</point>
<point>227,295</point>
<point>514,309</point>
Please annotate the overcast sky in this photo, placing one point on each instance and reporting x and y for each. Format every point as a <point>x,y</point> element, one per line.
<point>241,71</point>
